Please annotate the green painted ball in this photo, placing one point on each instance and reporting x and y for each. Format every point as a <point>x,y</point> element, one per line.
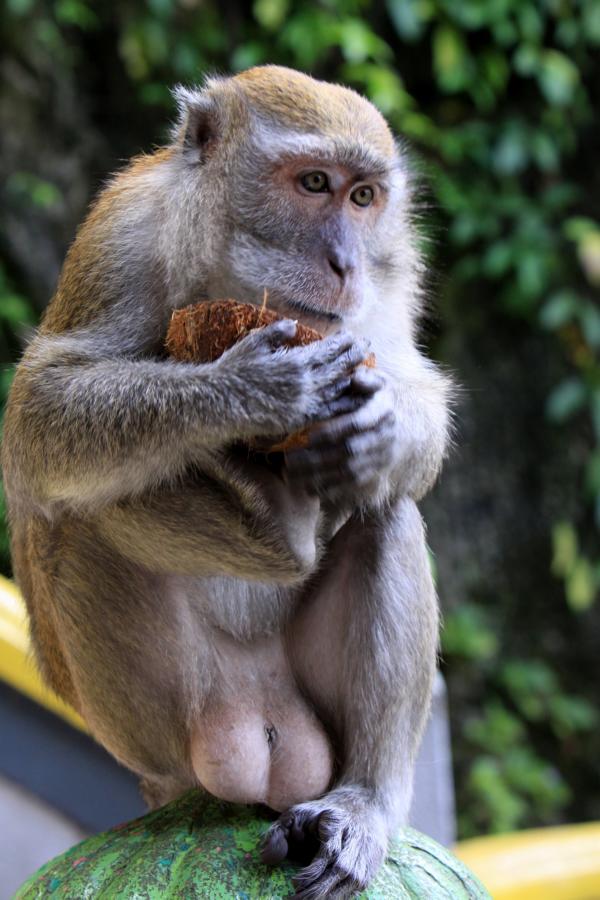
<point>197,848</point>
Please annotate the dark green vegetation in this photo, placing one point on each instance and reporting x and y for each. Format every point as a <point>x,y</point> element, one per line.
<point>497,99</point>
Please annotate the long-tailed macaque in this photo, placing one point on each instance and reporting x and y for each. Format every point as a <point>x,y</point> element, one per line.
<point>267,633</point>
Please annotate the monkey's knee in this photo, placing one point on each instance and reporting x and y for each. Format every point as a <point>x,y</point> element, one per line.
<point>400,515</point>
<point>249,759</point>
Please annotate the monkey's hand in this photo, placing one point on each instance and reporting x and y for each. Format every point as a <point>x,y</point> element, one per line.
<point>351,456</point>
<point>282,389</point>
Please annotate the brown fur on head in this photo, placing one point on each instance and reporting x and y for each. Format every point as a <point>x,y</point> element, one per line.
<point>304,104</point>
<point>295,101</point>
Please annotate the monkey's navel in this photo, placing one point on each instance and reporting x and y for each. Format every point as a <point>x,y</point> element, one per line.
<point>271,733</point>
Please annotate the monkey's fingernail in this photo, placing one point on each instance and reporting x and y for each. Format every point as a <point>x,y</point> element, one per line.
<point>275,850</point>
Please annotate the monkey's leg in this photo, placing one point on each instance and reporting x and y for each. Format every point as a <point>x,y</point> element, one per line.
<point>364,649</point>
<point>138,662</point>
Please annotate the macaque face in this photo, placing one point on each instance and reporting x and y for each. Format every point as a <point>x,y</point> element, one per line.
<point>307,230</point>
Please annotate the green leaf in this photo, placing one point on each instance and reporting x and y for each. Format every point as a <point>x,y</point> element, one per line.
<point>495,68</point>
<point>532,777</point>
<point>566,399</point>
<point>359,43</point>
<point>247,55</point>
<point>558,77</point>
<point>568,32</point>
<point>49,35</point>
<point>495,731</point>
<point>36,190</point>
<point>592,473</point>
<point>581,586</point>
<point>271,14</point>
<point>576,228</point>
<point>571,715</point>
<point>590,25</point>
<point>529,684</point>
<point>186,61</point>
<point>488,784</point>
<point>409,17</point>
<point>450,58</point>
<point>511,153</point>
<point>530,21</point>
<point>464,229</point>
<point>155,94</point>
<point>588,251</point>
<point>532,272</point>
<point>308,34</point>
<point>559,310</point>
<point>20,7</point>
<point>465,633</point>
<point>131,50</point>
<point>498,259</point>
<point>564,543</point>
<point>162,8</point>
<point>589,317</point>
<point>504,32</point>
<point>16,310</point>
<point>6,379</point>
<point>74,12</point>
<point>545,151</point>
<point>382,85</point>
<point>595,412</point>
<point>526,59</point>
<point>155,41</point>
<point>526,676</point>
<point>561,195</point>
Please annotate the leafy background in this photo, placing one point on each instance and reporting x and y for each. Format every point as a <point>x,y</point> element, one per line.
<point>497,101</point>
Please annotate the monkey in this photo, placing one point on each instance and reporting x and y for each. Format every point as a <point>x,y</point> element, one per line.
<point>265,633</point>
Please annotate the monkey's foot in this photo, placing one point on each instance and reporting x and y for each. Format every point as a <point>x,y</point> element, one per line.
<point>345,834</point>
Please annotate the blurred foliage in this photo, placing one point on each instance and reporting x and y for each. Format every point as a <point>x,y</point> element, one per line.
<point>508,781</point>
<point>497,98</point>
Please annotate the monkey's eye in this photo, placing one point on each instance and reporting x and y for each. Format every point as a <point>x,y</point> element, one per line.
<point>317,182</point>
<point>362,196</point>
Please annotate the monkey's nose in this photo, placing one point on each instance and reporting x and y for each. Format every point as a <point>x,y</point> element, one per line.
<point>340,265</point>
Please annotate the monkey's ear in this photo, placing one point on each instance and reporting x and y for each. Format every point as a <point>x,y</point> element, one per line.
<point>199,126</point>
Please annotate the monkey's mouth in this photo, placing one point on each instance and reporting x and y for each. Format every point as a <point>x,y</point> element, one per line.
<point>309,310</point>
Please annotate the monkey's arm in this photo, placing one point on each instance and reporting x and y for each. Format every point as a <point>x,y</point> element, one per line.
<point>85,429</point>
<point>418,395</point>
<point>393,443</point>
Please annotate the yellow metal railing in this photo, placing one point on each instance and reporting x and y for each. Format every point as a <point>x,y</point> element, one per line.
<point>16,664</point>
<point>560,863</point>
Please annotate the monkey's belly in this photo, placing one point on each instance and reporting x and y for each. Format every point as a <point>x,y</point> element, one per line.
<point>257,740</point>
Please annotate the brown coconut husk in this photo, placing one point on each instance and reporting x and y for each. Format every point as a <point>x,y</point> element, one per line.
<point>202,332</point>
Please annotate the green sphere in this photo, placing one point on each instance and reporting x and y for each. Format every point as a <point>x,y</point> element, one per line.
<point>198,848</point>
